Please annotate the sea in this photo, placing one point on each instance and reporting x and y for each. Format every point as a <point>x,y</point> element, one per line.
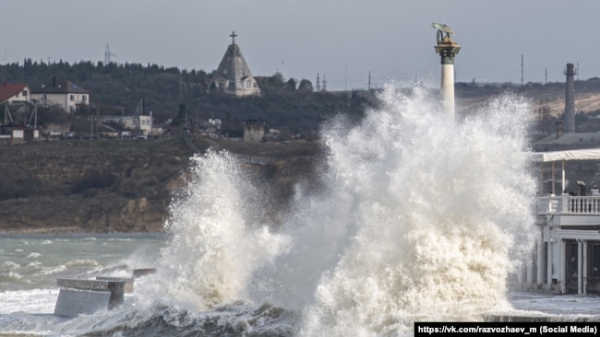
<point>413,217</point>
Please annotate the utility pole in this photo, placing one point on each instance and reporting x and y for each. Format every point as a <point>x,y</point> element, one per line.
<point>33,116</point>
<point>369,85</point>
<point>522,79</point>
<point>577,72</point>
<point>181,86</point>
<point>546,74</point>
<point>345,76</point>
<point>7,114</point>
<point>97,117</point>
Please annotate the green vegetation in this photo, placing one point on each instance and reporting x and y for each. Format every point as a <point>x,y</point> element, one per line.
<point>170,93</point>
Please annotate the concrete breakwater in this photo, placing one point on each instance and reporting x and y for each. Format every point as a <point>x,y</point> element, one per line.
<point>83,296</point>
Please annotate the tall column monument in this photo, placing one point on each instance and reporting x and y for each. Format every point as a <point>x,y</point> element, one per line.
<point>447,49</point>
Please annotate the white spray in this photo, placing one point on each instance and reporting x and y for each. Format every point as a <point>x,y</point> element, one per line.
<point>418,218</point>
<point>435,214</point>
<point>215,243</point>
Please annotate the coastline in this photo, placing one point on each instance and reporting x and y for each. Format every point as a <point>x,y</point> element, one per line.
<point>60,230</point>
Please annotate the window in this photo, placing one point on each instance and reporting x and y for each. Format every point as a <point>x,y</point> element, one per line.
<point>84,98</point>
<point>24,93</point>
<point>72,98</point>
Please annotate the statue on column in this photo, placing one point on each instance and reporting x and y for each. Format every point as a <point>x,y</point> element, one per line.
<point>441,29</point>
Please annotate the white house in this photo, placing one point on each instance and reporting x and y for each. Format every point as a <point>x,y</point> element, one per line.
<point>13,93</point>
<point>65,94</point>
<point>140,124</point>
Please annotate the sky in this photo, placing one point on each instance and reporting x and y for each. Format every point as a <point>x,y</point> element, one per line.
<point>343,40</point>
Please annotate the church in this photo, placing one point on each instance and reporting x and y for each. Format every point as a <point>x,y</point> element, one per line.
<point>233,75</point>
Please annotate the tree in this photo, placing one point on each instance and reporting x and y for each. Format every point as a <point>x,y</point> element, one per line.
<point>291,84</point>
<point>305,85</point>
<point>181,115</point>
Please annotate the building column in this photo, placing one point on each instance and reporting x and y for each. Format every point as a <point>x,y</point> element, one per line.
<point>447,49</point>
<point>549,262</point>
<point>540,262</point>
<point>529,272</point>
<point>579,273</point>
<point>584,265</point>
<point>448,88</point>
<point>561,266</point>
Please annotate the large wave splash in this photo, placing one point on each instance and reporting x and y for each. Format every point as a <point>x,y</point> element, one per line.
<point>417,218</point>
<point>216,242</point>
<point>436,216</point>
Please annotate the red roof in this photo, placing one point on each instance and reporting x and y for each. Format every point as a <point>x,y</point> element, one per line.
<point>8,90</point>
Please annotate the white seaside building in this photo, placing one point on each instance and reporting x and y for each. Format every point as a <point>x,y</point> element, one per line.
<point>567,258</point>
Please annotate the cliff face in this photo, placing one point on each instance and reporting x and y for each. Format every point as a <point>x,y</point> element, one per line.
<point>114,185</point>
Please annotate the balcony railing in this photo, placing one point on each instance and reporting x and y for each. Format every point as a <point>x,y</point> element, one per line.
<point>567,204</point>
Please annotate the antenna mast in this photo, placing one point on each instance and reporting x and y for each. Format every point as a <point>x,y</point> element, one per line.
<point>318,87</point>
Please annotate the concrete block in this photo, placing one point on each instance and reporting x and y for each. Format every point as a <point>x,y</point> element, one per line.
<point>143,272</point>
<point>128,281</point>
<point>72,302</point>
<point>79,296</point>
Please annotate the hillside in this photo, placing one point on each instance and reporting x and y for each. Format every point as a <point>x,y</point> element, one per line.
<point>102,186</point>
<point>116,89</point>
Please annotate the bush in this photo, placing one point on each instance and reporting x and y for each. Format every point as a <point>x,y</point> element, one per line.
<point>94,179</point>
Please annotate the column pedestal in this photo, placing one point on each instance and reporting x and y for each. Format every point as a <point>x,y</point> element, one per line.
<point>447,49</point>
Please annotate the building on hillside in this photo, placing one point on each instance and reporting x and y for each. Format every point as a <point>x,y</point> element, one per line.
<point>65,94</point>
<point>13,93</point>
<point>18,133</point>
<point>139,124</point>
<point>233,75</point>
<point>254,130</point>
